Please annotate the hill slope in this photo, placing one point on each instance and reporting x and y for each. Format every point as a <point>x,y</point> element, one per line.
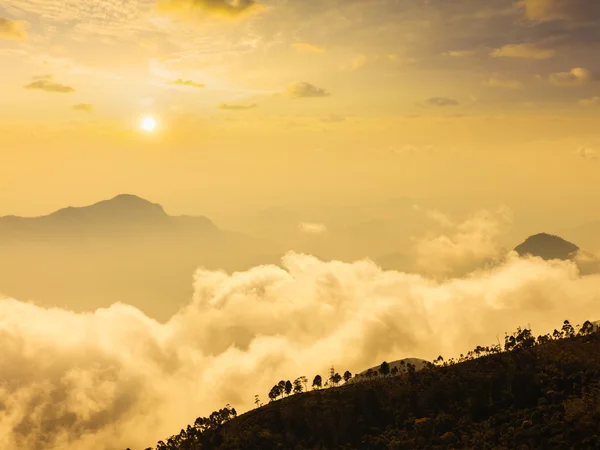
<point>542,393</point>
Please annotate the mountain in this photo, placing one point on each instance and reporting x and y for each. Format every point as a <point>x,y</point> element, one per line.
<point>548,247</point>
<point>125,249</point>
<point>123,214</point>
<point>535,393</point>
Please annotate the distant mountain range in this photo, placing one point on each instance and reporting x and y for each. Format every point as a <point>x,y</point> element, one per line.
<point>128,249</point>
<point>125,249</point>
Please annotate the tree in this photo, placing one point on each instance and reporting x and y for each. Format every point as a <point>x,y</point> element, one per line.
<point>347,376</point>
<point>275,392</point>
<point>567,329</point>
<point>317,382</point>
<point>336,378</point>
<point>384,369</point>
<point>297,386</point>
<point>281,385</point>
<point>394,371</point>
<point>257,401</point>
<point>288,387</point>
<point>304,381</point>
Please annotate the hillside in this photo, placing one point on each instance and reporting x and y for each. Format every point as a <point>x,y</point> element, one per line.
<point>534,393</point>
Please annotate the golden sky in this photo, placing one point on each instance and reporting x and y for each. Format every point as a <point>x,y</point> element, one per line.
<point>263,103</point>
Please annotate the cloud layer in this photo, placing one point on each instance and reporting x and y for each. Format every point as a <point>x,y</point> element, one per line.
<point>116,378</point>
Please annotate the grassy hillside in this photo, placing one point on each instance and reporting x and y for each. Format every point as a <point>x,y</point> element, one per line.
<point>534,393</point>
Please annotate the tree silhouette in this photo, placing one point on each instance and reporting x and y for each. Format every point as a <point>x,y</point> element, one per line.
<point>275,392</point>
<point>336,378</point>
<point>317,382</point>
<point>288,387</point>
<point>298,388</point>
<point>347,376</point>
<point>384,369</point>
<point>257,401</point>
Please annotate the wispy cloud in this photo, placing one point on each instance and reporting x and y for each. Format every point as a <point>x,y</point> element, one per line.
<point>83,107</point>
<point>500,82</point>
<point>224,8</point>
<point>441,101</point>
<point>459,53</point>
<point>312,228</point>
<point>187,83</point>
<point>306,90</point>
<point>46,84</point>
<point>592,101</point>
<point>13,29</point>
<point>231,107</point>
<point>523,51</point>
<point>574,77</point>
<point>305,47</point>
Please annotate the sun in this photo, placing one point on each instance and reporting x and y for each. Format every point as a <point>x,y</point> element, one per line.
<point>148,124</point>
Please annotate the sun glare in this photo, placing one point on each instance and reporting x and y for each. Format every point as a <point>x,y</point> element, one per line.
<point>148,124</point>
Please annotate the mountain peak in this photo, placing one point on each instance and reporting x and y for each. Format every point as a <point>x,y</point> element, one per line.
<point>547,246</point>
<point>121,206</point>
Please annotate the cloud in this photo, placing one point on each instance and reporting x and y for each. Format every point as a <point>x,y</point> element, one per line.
<point>441,101</point>
<point>547,10</point>
<point>229,107</point>
<point>45,83</point>
<point>188,83</point>
<point>312,228</point>
<point>304,47</point>
<point>115,378</point>
<point>503,83</point>
<point>574,77</point>
<point>83,107</point>
<point>13,29</point>
<point>459,53</point>
<point>437,216</point>
<point>523,51</point>
<point>306,90</point>
<point>363,61</point>
<point>469,245</point>
<point>587,153</point>
<point>592,101</point>
<point>333,118</point>
<point>224,8</point>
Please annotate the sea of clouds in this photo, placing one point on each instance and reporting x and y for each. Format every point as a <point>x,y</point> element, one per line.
<point>116,378</point>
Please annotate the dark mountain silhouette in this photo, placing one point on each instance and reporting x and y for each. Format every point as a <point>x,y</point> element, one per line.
<point>122,214</point>
<point>126,249</point>
<point>530,393</point>
<point>549,247</point>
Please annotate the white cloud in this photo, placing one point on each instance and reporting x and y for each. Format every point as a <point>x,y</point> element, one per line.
<point>574,77</point>
<point>312,228</point>
<point>466,247</point>
<point>115,378</point>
